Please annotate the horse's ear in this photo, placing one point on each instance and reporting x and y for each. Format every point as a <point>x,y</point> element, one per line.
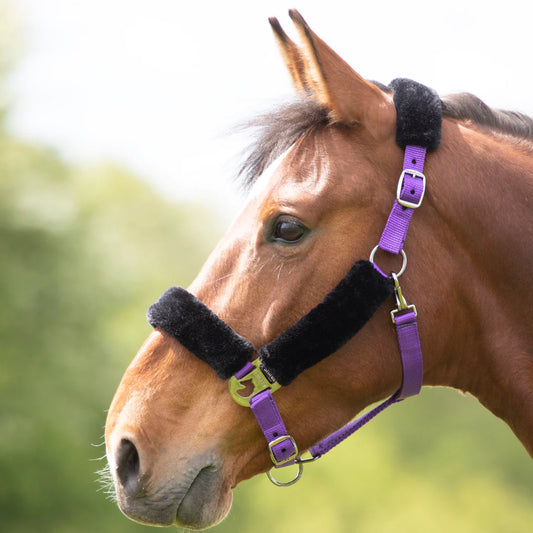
<point>334,84</point>
<point>292,57</point>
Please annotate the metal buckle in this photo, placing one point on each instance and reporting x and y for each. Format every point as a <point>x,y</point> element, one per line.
<point>260,382</point>
<point>394,312</point>
<point>415,174</point>
<point>292,457</point>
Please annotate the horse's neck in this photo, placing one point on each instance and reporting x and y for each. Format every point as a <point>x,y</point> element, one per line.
<point>486,200</point>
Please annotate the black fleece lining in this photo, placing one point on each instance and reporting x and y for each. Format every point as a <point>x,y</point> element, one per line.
<point>203,333</point>
<point>418,114</point>
<point>329,325</point>
<point>326,328</point>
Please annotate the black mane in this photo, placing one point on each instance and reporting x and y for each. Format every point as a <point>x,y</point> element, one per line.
<point>278,130</point>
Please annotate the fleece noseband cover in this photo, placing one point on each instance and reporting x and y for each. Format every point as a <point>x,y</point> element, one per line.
<point>334,321</point>
<point>322,331</point>
<point>203,333</point>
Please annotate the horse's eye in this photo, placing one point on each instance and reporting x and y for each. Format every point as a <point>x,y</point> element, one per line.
<point>288,230</point>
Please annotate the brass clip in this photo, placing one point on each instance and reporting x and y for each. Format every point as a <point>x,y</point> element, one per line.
<point>259,380</point>
<point>401,303</point>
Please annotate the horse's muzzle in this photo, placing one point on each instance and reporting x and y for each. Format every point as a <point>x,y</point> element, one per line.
<point>191,495</point>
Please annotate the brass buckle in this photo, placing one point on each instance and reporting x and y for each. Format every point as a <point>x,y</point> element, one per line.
<point>260,382</point>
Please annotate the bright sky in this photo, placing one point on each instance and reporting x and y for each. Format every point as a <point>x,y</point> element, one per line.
<point>156,85</point>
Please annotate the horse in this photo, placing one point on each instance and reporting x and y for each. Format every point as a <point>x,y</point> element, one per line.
<point>322,179</point>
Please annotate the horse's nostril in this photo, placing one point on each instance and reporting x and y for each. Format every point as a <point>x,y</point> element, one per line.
<point>128,466</point>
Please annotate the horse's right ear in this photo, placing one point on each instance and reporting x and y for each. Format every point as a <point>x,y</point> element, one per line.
<point>319,72</point>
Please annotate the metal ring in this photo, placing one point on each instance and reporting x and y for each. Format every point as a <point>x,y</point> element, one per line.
<point>286,483</point>
<point>404,260</point>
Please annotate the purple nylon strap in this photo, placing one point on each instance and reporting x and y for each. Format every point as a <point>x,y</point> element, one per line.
<point>281,445</point>
<point>411,188</point>
<point>410,193</point>
<point>411,353</point>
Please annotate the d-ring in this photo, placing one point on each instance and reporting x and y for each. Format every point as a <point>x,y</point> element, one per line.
<point>404,260</point>
<point>286,483</point>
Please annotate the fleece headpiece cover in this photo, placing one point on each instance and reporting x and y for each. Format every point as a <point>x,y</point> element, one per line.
<point>418,114</point>
<point>334,321</point>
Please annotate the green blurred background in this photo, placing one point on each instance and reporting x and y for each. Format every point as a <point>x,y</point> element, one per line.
<point>84,251</point>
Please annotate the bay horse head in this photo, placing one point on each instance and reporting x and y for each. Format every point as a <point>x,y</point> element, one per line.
<point>323,179</point>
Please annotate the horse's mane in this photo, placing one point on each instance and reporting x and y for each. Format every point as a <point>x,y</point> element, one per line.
<point>277,130</point>
<point>467,107</point>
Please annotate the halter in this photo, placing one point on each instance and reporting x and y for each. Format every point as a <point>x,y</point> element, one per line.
<point>334,321</point>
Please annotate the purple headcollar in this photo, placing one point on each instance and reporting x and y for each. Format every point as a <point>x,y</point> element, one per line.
<point>334,321</point>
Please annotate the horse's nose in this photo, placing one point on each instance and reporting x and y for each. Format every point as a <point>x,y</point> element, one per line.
<point>128,467</point>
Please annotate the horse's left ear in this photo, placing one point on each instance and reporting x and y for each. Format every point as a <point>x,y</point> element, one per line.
<point>334,84</point>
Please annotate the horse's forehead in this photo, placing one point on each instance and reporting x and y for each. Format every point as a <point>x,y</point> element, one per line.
<point>265,180</point>
<point>321,167</point>
<point>301,169</point>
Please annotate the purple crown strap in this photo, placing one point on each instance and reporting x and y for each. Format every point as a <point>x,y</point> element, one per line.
<point>411,192</point>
